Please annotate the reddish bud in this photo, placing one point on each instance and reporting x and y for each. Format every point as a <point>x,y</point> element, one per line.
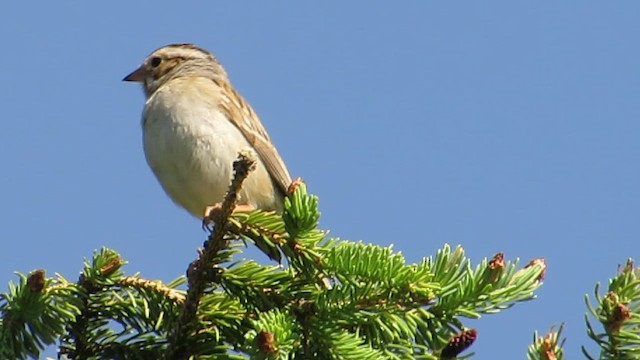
<point>35,281</point>
<point>459,343</point>
<point>266,342</point>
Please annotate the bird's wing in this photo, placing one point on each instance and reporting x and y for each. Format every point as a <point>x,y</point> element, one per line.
<point>242,115</point>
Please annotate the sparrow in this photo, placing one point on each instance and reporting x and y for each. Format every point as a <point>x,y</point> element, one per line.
<point>194,124</point>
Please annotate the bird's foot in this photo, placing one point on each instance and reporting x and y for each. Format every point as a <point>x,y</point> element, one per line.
<point>213,212</point>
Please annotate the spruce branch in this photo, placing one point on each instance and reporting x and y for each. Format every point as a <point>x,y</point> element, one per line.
<point>264,229</point>
<point>202,270</point>
<point>547,347</point>
<point>34,313</point>
<point>96,275</point>
<point>331,299</point>
<point>617,312</point>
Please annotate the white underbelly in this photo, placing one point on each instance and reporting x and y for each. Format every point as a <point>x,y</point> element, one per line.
<point>192,155</point>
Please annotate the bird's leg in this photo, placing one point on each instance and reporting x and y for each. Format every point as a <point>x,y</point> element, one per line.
<point>211,212</point>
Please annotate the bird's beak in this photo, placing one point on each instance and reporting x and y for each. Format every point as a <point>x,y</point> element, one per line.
<point>137,75</point>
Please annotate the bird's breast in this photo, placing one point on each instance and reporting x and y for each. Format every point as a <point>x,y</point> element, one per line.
<point>189,144</point>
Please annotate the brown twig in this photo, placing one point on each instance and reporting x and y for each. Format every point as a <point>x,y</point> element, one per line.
<point>155,286</point>
<point>199,271</point>
<point>267,241</point>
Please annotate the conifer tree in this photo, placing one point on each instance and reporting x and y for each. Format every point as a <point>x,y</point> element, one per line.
<point>320,298</point>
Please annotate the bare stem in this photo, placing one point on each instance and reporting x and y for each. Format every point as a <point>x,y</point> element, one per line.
<point>199,273</point>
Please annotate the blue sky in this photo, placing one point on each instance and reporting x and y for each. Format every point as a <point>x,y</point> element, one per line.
<point>501,126</point>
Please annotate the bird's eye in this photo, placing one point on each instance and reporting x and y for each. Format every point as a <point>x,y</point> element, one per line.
<point>155,61</point>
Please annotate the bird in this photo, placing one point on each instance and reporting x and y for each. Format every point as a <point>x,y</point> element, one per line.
<point>194,124</point>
